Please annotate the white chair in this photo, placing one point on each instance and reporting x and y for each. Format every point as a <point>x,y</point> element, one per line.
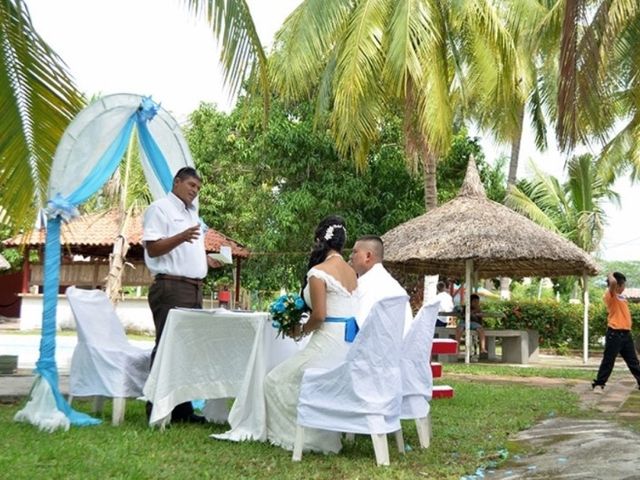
<point>104,364</point>
<point>417,378</point>
<point>362,394</point>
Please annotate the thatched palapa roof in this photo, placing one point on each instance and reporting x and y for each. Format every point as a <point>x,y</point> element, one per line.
<point>500,241</point>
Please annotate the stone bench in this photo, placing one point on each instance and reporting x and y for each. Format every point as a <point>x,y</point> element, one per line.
<point>518,346</point>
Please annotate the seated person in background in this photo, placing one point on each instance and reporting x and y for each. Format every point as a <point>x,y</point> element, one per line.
<point>476,323</point>
<point>446,304</point>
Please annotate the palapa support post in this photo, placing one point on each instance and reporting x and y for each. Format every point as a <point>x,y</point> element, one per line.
<point>585,318</point>
<point>467,311</point>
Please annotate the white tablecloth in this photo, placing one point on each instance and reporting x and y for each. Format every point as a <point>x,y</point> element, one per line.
<point>216,355</point>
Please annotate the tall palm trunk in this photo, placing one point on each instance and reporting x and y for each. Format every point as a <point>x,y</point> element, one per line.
<point>515,148</point>
<point>429,163</point>
<point>417,149</point>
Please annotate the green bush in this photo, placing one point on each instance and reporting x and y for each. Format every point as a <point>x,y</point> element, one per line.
<point>559,324</point>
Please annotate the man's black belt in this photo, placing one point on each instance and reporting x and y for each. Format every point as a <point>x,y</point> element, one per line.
<point>193,281</point>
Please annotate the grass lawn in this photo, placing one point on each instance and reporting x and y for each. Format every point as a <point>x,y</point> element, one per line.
<point>511,371</point>
<point>74,333</point>
<point>469,431</point>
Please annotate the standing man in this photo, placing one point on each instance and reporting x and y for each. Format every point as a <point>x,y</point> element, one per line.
<point>618,338</point>
<point>446,303</point>
<point>374,281</point>
<point>174,253</point>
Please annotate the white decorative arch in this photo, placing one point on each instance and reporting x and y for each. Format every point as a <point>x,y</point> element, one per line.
<point>88,154</point>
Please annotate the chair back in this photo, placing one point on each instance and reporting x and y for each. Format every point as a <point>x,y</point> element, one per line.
<point>374,357</point>
<point>363,394</point>
<point>417,378</point>
<point>96,319</point>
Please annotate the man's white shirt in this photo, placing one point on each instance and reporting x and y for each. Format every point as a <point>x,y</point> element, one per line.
<point>446,304</point>
<point>375,285</point>
<point>164,218</point>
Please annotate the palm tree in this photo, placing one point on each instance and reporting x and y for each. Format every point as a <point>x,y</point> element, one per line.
<point>598,69</point>
<point>38,99</point>
<point>621,153</point>
<point>535,30</point>
<point>421,57</point>
<point>574,208</point>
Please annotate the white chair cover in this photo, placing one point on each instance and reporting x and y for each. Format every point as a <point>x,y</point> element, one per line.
<point>417,378</point>
<point>363,393</point>
<point>103,362</point>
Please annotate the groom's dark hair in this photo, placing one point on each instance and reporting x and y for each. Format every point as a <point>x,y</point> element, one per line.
<point>375,244</point>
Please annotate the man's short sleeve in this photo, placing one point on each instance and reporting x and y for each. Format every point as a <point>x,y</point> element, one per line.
<point>154,224</point>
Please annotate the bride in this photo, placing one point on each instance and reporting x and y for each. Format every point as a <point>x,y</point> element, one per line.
<point>328,291</point>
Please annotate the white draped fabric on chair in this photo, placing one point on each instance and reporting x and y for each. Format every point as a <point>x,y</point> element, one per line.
<point>417,378</point>
<point>362,394</point>
<point>86,157</point>
<point>104,363</point>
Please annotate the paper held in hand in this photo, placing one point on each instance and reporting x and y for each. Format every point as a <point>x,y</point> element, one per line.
<point>224,256</point>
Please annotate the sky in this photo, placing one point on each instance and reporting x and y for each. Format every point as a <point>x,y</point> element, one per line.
<point>157,48</point>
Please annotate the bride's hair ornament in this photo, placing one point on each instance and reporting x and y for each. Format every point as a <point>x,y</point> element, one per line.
<point>328,234</point>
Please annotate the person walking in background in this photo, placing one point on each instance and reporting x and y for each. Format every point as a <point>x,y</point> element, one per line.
<point>618,339</point>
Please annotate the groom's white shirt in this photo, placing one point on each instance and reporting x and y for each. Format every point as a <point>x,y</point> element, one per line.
<point>375,285</point>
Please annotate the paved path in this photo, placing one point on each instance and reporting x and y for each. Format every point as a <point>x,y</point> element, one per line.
<point>581,449</point>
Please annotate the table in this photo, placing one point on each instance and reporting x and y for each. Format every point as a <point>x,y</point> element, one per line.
<point>216,354</point>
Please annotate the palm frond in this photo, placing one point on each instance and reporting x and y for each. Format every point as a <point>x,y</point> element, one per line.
<point>38,99</point>
<point>410,32</point>
<point>242,51</point>
<point>538,121</point>
<point>304,44</point>
<point>566,128</point>
<point>358,98</point>
<point>521,203</point>
<point>325,91</point>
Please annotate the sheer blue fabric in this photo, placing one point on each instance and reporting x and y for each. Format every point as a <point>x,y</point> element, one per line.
<point>159,164</point>
<point>63,207</point>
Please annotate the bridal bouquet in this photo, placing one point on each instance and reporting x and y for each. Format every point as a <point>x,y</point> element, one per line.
<point>286,312</point>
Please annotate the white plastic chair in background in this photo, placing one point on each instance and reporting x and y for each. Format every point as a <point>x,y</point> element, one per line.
<point>104,363</point>
<point>363,393</point>
<point>417,378</point>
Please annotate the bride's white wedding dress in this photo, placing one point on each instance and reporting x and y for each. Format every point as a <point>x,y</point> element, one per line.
<point>326,348</point>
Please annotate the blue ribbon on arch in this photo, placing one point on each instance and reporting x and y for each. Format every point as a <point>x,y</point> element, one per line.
<point>145,113</point>
<point>60,209</point>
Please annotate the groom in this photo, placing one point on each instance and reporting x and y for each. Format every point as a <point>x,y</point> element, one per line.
<point>374,281</point>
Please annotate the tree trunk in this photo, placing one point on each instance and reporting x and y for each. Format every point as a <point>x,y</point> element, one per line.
<point>417,150</point>
<point>429,162</point>
<point>515,148</point>
<point>113,284</point>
